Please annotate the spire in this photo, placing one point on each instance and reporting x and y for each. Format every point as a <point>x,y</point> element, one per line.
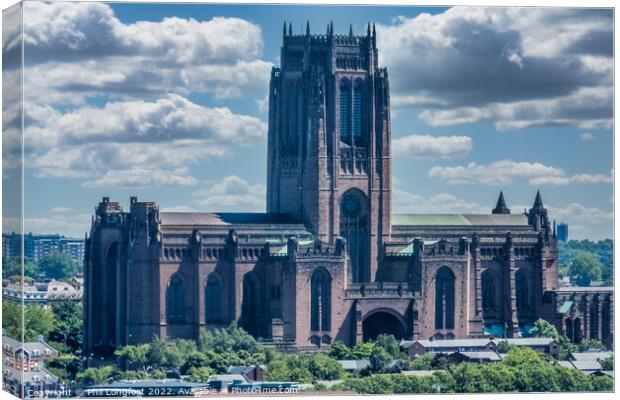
<point>290,29</point>
<point>368,30</point>
<point>350,30</point>
<point>307,27</point>
<point>374,35</point>
<point>501,208</point>
<point>538,203</point>
<point>284,31</point>
<point>331,28</point>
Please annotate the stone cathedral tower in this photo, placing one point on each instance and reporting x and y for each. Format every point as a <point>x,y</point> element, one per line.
<point>329,142</point>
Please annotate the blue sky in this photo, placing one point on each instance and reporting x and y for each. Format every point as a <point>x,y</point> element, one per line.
<point>134,99</point>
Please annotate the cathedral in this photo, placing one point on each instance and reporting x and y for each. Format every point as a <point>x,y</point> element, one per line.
<point>328,260</point>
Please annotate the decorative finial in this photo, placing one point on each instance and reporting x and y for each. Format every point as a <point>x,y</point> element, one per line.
<point>307,27</point>
<point>290,29</point>
<point>368,30</point>
<point>350,30</point>
<point>284,30</point>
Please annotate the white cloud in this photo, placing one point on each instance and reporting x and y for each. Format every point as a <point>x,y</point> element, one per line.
<point>232,193</point>
<point>505,171</point>
<point>406,202</point>
<point>568,180</point>
<point>498,173</point>
<point>586,136</point>
<point>70,223</point>
<point>138,177</point>
<point>427,146</point>
<point>83,48</point>
<point>515,67</point>
<point>161,136</point>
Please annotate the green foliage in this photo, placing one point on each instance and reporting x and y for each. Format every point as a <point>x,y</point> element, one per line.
<point>503,346</point>
<point>489,378</point>
<point>585,267</point>
<point>522,356</point>
<point>602,383</point>
<point>389,344</point>
<point>608,364</point>
<point>379,360</point>
<point>361,351</point>
<point>423,362</point>
<point>12,319</point>
<point>12,269</point>
<point>95,376</point>
<point>58,266</point>
<point>231,338</point>
<point>399,384</point>
<point>38,321</point>
<point>544,329</point>
<point>304,368</point>
<point>603,249</point>
<point>64,367</point>
<point>133,357</point>
<point>67,327</point>
<point>591,344</point>
<point>200,374</point>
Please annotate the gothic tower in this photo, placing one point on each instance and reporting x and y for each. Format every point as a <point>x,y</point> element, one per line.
<point>329,141</point>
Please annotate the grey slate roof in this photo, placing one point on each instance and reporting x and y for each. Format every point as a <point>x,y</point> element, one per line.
<point>447,343</point>
<point>591,355</point>
<point>30,347</point>
<point>28,377</point>
<point>526,341</point>
<point>219,219</point>
<point>481,355</point>
<point>587,365</point>
<point>417,373</point>
<point>460,219</point>
<point>570,289</point>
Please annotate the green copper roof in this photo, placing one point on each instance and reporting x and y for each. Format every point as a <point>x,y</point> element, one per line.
<point>409,248</point>
<point>565,307</point>
<point>284,249</point>
<point>459,219</point>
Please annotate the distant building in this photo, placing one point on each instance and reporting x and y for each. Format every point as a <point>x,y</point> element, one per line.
<point>23,371</point>
<point>37,247</point>
<point>41,293</point>
<point>563,232</point>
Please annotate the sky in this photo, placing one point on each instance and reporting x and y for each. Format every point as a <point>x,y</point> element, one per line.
<point>168,102</point>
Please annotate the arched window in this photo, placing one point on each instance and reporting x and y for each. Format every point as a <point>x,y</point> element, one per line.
<point>357,112</point>
<point>320,302</point>
<point>523,290</point>
<point>444,299</point>
<point>345,111</point>
<point>249,306</point>
<point>488,292</point>
<point>353,227</point>
<point>213,299</point>
<point>175,300</point>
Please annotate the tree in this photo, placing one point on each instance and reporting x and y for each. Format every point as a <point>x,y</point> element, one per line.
<point>95,376</point>
<point>58,266</point>
<point>389,344</point>
<point>12,319</point>
<point>38,321</point>
<point>67,327</point>
<point>340,351</point>
<point>544,329</point>
<point>380,360</point>
<point>133,356</point>
<point>422,362</point>
<point>608,364</point>
<point>584,268</point>
<point>200,374</point>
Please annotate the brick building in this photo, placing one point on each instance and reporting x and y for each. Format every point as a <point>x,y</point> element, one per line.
<point>328,260</point>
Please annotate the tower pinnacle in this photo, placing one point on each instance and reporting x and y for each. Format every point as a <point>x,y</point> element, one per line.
<point>501,207</point>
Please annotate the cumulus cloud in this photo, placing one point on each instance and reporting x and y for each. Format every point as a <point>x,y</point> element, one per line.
<point>84,48</point>
<point>137,137</point>
<point>67,222</point>
<point>505,171</point>
<point>232,193</point>
<point>138,177</point>
<point>407,202</point>
<point>497,173</point>
<point>427,146</point>
<point>516,67</point>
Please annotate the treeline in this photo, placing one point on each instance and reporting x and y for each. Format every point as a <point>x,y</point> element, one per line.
<point>58,266</point>
<point>520,370</point>
<point>585,260</point>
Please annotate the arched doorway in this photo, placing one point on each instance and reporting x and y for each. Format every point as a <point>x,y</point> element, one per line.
<point>104,291</point>
<point>382,322</point>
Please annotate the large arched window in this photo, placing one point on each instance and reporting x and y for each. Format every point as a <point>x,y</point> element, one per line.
<point>320,300</point>
<point>444,299</point>
<point>345,111</point>
<point>357,111</point>
<point>489,303</point>
<point>249,304</point>
<point>523,290</point>
<point>213,299</point>
<point>354,228</point>
<point>175,300</point>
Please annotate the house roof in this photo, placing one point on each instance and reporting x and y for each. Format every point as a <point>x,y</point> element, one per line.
<point>480,355</point>
<point>527,341</point>
<point>591,355</point>
<point>447,343</point>
<point>418,373</point>
<point>32,376</point>
<point>587,365</point>
<point>30,347</point>
<point>460,219</point>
